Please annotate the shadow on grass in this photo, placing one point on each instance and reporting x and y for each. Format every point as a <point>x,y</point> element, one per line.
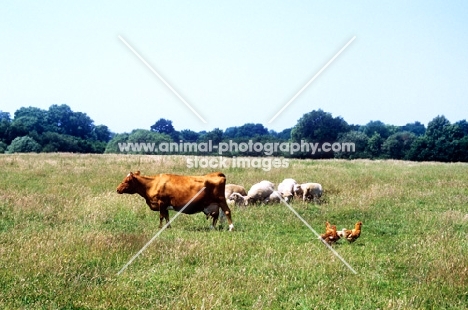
<point>208,229</point>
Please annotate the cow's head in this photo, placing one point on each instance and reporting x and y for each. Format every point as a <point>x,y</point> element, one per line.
<point>128,185</point>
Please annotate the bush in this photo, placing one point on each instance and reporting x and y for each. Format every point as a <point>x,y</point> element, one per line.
<point>137,136</point>
<point>3,147</point>
<point>398,145</point>
<point>55,142</point>
<point>360,140</point>
<point>24,145</point>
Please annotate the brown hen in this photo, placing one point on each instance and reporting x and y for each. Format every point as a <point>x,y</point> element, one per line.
<point>351,235</point>
<point>330,236</point>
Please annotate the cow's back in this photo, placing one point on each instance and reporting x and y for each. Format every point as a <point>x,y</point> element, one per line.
<point>177,190</point>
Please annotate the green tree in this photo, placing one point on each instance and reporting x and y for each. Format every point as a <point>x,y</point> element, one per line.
<point>398,145</point>
<point>63,120</point>
<point>188,135</point>
<point>318,126</point>
<point>461,152</point>
<point>23,125</point>
<point>379,127</point>
<point>58,118</point>
<point>462,155</point>
<point>285,134</point>
<point>59,129</point>
<point>463,124</point>
<point>417,128</point>
<point>137,136</point>
<point>24,145</point>
<point>374,145</point>
<point>112,146</point>
<point>163,126</point>
<point>38,113</point>
<point>246,131</point>
<point>27,120</point>
<point>251,130</point>
<point>102,133</point>
<point>5,123</point>
<point>230,133</point>
<point>3,147</point>
<point>442,142</point>
<point>437,128</point>
<point>81,125</point>
<point>419,150</point>
<point>56,142</point>
<point>216,136</point>
<point>360,140</point>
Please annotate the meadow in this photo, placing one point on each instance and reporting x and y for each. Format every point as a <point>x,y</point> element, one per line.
<point>65,233</point>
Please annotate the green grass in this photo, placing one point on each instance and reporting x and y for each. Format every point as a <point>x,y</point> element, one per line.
<point>65,233</point>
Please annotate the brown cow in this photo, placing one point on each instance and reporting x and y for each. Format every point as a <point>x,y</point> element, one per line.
<point>170,190</point>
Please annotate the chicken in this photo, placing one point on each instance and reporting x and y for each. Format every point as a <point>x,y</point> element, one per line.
<point>330,236</point>
<point>351,235</point>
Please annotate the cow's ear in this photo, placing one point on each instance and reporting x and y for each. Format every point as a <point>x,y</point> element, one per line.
<point>137,173</point>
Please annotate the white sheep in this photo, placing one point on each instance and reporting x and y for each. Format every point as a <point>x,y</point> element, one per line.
<point>236,199</point>
<point>286,189</point>
<point>298,191</point>
<point>230,189</point>
<point>259,192</point>
<point>308,191</point>
<point>234,188</point>
<point>273,198</point>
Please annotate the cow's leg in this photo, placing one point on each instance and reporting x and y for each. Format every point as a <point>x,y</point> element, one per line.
<point>221,216</point>
<point>163,214</point>
<point>161,219</point>
<point>215,219</point>
<point>227,212</point>
<point>212,210</point>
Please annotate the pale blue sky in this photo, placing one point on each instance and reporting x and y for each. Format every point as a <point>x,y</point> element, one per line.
<point>236,62</point>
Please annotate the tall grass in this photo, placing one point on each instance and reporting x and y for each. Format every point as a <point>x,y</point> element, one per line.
<point>65,233</point>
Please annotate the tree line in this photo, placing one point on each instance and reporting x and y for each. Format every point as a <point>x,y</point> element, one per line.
<point>59,129</point>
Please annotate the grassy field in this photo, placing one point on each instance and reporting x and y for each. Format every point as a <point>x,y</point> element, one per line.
<point>65,233</point>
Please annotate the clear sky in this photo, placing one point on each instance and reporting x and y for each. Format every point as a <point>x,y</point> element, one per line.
<point>236,62</point>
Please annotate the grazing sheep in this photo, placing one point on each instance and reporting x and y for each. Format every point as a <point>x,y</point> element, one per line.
<point>298,191</point>
<point>231,199</point>
<point>236,199</point>
<point>286,189</point>
<point>273,198</point>
<point>309,191</point>
<point>259,192</point>
<point>234,188</point>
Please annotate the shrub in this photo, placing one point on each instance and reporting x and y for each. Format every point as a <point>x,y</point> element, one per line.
<point>24,145</point>
<point>3,147</point>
